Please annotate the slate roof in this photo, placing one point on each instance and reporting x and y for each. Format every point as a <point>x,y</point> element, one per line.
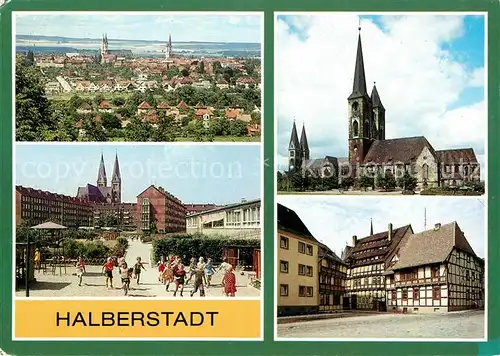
<point>432,246</point>
<point>318,163</point>
<point>456,156</point>
<point>404,150</point>
<point>359,82</point>
<point>294,139</point>
<point>376,102</point>
<point>377,245</point>
<point>288,220</point>
<point>303,140</point>
<point>326,251</point>
<point>91,193</point>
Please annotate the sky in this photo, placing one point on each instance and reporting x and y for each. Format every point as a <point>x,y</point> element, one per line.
<point>218,174</point>
<point>429,72</point>
<point>335,221</point>
<point>183,26</point>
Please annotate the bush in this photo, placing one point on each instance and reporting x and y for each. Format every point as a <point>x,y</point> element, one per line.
<point>187,246</point>
<point>73,249</point>
<point>449,191</point>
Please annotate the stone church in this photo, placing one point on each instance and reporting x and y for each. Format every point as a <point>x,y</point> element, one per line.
<point>369,152</point>
<point>102,193</point>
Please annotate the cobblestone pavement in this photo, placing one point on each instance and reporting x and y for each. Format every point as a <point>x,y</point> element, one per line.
<point>468,324</point>
<point>94,285</point>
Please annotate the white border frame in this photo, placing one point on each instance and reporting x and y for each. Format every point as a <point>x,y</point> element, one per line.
<point>484,197</point>
<point>117,144</point>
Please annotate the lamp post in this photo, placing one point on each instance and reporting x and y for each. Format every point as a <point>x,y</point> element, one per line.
<point>27,265</point>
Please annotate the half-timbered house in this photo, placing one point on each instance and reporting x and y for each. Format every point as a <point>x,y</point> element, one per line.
<point>332,277</point>
<point>367,260</point>
<point>435,271</point>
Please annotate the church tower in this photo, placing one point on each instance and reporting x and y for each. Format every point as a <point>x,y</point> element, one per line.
<point>360,110</point>
<point>101,175</point>
<point>168,49</point>
<point>294,151</point>
<point>304,146</point>
<point>116,182</point>
<point>104,47</point>
<point>378,115</point>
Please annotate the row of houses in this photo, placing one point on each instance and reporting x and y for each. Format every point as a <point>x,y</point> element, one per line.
<point>393,271</point>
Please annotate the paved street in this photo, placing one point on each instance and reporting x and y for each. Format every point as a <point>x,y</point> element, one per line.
<point>94,285</point>
<point>469,324</point>
<point>337,192</point>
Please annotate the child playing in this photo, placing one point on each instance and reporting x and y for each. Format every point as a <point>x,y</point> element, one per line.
<point>108,272</point>
<point>125,275</point>
<point>209,271</point>
<point>168,274</point>
<point>192,269</point>
<point>229,282</point>
<point>199,275</point>
<point>137,269</point>
<point>80,270</point>
<point>161,268</point>
<point>179,276</point>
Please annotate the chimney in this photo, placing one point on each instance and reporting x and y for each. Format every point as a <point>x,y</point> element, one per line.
<point>243,200</point>
<point>389,232</point>
<point>161,189</point>
<point>354,240</point>
<point>437,226</point>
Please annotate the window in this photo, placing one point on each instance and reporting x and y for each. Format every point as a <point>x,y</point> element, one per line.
<point>435,272</point>
<point>302,291</point>
<point>416,294</point>
<point>302,247</point>
<point>309,291</point>
<point>309,250</point>
<point>425,171</point>
<point>394,295</point>
<point>436,293</point>
<point>284,290</point>
<point>355,106</point>
<point>309,271</point>
<point>284,266</point>
<point>284,242</point>
<point>404,294</point>
<point>355,128</point>
<point>302,270</point>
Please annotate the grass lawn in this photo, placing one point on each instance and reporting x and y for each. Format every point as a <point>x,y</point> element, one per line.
<point>85,95</point>
<point>216,139</point>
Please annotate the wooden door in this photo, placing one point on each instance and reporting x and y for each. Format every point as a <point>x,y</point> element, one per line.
<point>256,262</point>
<point>231,254</point>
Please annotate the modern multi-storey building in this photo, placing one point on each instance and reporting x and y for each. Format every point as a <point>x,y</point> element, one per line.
<point>159,211</point>
<point>35,206</point>
<point>449,276</point>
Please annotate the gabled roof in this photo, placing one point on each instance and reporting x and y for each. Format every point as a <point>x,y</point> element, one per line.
<point>402,150</point>
<point>432,246</point>
<point>457,156</point>
<point>325,251</point>
<point>162,105</point>
<point>182,105</point>
<point>144,105</point>
<point>288,220</point>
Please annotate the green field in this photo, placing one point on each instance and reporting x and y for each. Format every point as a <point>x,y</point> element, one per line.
<point>216,139</point>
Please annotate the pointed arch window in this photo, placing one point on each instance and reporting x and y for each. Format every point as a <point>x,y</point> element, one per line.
<point>355,106</point>
<point>425,171</point>
<point>355,128</point>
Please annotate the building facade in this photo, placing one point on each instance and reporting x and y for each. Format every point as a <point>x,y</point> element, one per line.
<point>332,280</point>
<point>198,208</point>
<point>448,277</point>
<point>159,211</point>
<point>123,214</point>
<point>36,206</point>
<point>236,220</point>
<point>371,153</point>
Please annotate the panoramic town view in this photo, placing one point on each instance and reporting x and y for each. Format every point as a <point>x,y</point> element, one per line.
<point>138,221</point>
<point>368,268</point>
<point>99,78</point>
<point>412,122</point>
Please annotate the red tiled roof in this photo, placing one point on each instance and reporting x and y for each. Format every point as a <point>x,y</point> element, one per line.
<point>105,105</point>
<point>144,105</point>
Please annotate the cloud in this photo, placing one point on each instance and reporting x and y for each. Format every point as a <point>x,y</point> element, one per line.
<point>335,221</point>
<point>417,79</point>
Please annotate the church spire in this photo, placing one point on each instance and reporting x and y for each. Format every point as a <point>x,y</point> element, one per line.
<point>101,175</point>
<point>294,139</point>
<point>304,145</point>
<point>376,102</point>
<point>116,178</point>
<point>359,83</point>
<point>371,227</point>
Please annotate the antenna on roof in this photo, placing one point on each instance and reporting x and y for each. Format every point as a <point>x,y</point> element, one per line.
<point>425,219</point>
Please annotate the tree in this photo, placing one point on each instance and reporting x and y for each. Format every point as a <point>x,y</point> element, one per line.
<point>407,181</point>
<point>93,131</point>
<point>347,182</point>
<point>30,58</point>
<point>98,98</point>
<point>366,182</point>
<point>118,101</point>
<point>110,121</point>
<point>65,129</point>
<point>385,181</point>
<point>238,128</point>
<point>107,220</point>
<point>201,67</point>
<point>75,102</point>
<point>185,72</point>
<point>216,67</point>
<point>167,130</point>
<point>138,131</point>
<point>33,113</point>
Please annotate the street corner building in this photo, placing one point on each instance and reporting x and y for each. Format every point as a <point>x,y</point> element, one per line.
<point>311,278</point>
<point>371,153</point>
<point>391,271</point>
